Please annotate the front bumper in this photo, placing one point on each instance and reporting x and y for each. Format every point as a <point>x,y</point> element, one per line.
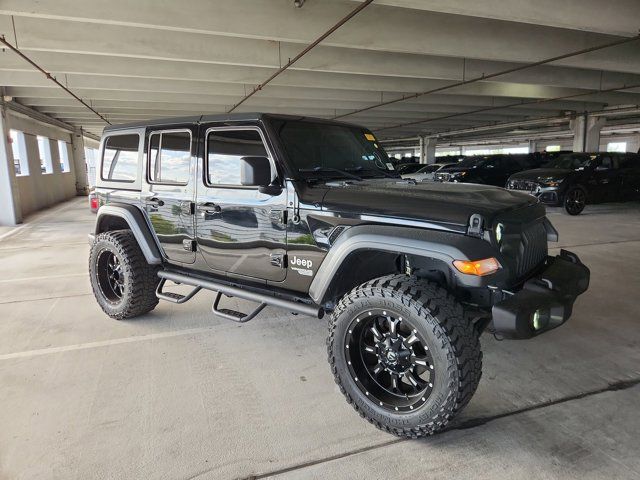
<point>545,300</point>
<point>548,195</point>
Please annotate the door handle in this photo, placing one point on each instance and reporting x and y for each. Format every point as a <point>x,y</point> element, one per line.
<point>208,208</point>
<point>155,202</point>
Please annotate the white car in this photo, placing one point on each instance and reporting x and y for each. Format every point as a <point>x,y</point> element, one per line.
<point>426,173</point>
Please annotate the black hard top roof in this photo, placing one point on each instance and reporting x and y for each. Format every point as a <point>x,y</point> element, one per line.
<point>221,117</point>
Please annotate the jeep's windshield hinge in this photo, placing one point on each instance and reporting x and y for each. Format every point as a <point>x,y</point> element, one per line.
<point>476,226</point>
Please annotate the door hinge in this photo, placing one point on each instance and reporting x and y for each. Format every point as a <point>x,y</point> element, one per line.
<point>187,208</point>
<point>189,245</point>
<point>279,216</point>
<point>278,260</point>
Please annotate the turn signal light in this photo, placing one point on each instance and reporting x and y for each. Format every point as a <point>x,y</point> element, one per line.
<point>477,267</point>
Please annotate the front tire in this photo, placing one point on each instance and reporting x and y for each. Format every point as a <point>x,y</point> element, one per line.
<point>123,282</point>
<point>403,355</point>
<point>575,199</point>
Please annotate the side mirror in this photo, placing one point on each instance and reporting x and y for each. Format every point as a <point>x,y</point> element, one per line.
<point>256,172</point>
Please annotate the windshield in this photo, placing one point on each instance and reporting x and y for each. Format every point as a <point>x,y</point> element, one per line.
<point>320,149</point>
<point>572,162</point>
<point>469,162</point>
<point>429,169</point>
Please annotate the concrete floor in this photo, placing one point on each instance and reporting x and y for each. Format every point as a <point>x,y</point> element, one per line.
<point>179,394</point>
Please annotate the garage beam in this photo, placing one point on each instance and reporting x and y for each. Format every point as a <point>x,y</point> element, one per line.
<point>306,50</point>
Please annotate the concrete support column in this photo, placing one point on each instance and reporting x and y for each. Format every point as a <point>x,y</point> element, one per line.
<point>532,146</point>
<point>10,211</point>
<point>79,163</point>
<point>586,133</point>
<point>428,150</point>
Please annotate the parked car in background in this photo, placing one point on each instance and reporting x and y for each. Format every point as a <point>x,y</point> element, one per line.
<point>576,179</point>
<point>427,172</point>
<point>487,169</point>
<point>407,168</point>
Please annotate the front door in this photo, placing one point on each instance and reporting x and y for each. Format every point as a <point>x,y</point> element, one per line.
<point>240,231</point>
<point>169,194</point>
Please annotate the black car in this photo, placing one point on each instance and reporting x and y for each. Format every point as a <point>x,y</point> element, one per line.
<point>575,179</point>
<point>408,168</point>
<point>309,215</point>
<point>487,169</point>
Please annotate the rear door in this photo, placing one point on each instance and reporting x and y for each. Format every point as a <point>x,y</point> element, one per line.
<point>493,171</point>
<point>168,193</point>
<point>240,230</point>
<point>629,166</point>
<point>606,179</point>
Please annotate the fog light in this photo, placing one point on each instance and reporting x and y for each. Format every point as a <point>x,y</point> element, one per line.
<point>540,319</point>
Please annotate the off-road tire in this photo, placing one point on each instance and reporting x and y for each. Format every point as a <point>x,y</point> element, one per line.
<point>454,344</point>
<point>571,197</point>
<point>140,278</point>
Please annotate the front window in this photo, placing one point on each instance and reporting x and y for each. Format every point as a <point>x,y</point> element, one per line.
<point>470,162</point>
<point>323,148</point>
<point>570,162</point>
<point>225,150</point>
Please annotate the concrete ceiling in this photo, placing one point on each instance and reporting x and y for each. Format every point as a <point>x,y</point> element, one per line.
<point>140,60</point>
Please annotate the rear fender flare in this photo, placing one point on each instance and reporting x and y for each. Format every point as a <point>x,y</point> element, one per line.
<point>138,225</point>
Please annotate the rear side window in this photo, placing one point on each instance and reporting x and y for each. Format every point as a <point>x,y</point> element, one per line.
<point>120,158</point>
<point>225,148</point>
<point>170,157</point>
<point>629,161</point>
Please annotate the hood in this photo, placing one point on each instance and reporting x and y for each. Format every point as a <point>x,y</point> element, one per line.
<point>542,173</point>
<point>446,203</point>
<point>455,168</point>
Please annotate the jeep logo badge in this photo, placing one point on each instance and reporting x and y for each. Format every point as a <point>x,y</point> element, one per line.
<point>301,262</point>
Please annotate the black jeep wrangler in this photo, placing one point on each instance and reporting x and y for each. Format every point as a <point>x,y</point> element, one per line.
<point>309,215</point>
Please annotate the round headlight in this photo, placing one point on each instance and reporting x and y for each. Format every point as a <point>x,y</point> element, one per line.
<point>499,232</point>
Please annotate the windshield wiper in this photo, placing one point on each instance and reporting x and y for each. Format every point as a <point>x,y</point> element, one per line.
<point>360,168</point>
<point>319,169</point>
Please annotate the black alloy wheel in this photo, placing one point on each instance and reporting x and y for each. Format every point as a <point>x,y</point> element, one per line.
<point>110,276</point>
<point>389,361</point>
<point>575,200</point>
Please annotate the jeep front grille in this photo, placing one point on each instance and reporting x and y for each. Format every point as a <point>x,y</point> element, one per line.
<point>524,248</point>
<point>533,248</point>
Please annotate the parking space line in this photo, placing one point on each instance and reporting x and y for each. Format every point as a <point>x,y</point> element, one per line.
<point>46,298</point>
<point>44,277</point>
<point>471,423</point>
<point>615,242</point>
<point>105,343</point>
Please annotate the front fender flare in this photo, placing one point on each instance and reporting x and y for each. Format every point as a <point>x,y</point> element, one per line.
<point>442,246</point>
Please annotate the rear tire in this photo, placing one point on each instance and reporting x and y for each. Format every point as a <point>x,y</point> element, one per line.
<point>575,199</point>
<point>431,351</point>
<point>123,283</point>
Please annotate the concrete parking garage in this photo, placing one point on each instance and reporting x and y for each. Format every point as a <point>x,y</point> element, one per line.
<point>181,394</point>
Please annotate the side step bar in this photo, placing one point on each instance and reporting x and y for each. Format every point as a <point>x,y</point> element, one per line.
<point>230,291</point>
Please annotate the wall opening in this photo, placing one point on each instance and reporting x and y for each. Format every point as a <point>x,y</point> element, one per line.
<point>44,151</point>
<point>19,149</point>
